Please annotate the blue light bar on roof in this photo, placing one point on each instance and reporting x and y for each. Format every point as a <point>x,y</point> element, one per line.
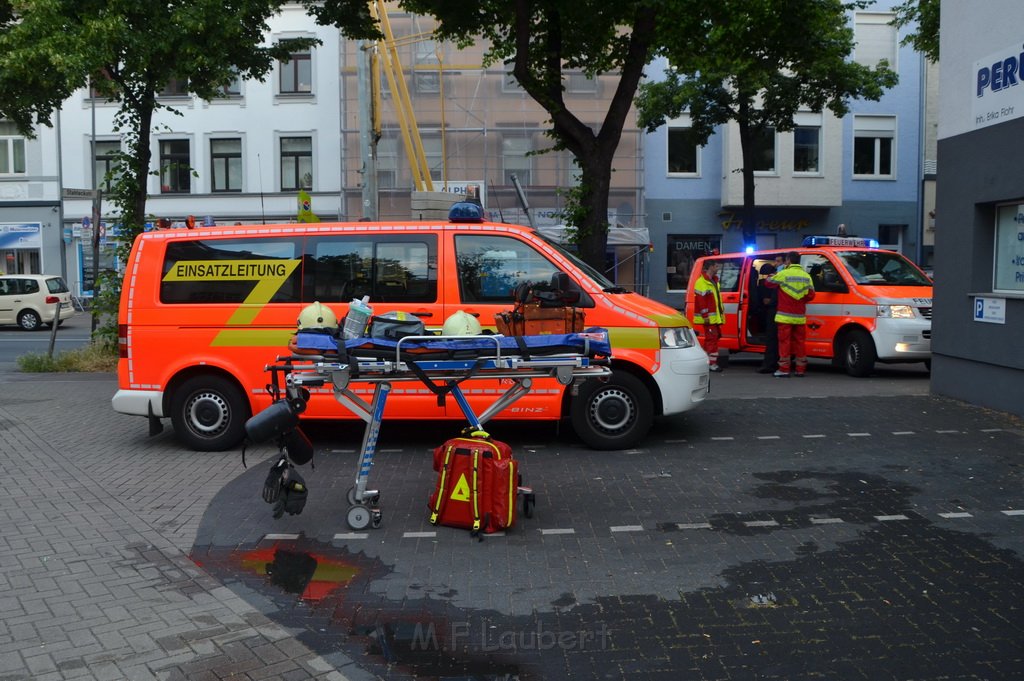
<point>852,241</point>
<point>465,211</point>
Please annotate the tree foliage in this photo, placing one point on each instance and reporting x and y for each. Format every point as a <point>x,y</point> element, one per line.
<point>924,15</point>
<point>758,62</point>
<point>128,51</point>
<point>540,40</point>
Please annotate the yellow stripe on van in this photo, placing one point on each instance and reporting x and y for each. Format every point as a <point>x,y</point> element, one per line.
<point>629,337</point>
<point>252,338</point>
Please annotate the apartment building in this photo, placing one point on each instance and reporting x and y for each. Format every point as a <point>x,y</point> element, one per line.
<point>864,171</point>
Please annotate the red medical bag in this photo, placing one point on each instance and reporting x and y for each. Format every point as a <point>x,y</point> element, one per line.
<point>477,484</point>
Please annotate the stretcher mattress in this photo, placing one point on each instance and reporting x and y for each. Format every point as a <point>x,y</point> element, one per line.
<point>590,343</point>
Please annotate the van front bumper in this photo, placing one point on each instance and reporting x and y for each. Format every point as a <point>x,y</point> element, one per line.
<point>903,340</point>
<point>682,378</point>
<point>138,402</point>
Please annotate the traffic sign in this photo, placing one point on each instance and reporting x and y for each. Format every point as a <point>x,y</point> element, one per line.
<point>70,193</point>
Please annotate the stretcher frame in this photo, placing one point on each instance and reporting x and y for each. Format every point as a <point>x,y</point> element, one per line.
<point>442,376</point>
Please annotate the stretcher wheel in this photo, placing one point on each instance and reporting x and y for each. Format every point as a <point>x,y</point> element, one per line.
<point>350,496</point>
<point>529,501</point>
<point>359,517</point>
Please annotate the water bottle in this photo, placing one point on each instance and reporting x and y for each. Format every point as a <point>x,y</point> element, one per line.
<point>359,313</point>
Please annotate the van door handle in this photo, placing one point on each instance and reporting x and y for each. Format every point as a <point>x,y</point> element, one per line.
<point>424,314</point>
<point>814,325</point>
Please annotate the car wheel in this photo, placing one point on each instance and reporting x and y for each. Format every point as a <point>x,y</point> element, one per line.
<point>612,414</point>
<point>209,413</point>
<point>859,351</point>
<point>30,320</point>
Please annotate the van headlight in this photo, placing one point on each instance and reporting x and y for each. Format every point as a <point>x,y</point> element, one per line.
<point>895,311</point>
<point>678,337</point>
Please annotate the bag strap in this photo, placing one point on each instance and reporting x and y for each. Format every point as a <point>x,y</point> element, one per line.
<point>439,501</point>
<point>476,493</point>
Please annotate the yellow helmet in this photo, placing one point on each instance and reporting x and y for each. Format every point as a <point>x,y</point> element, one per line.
<point>461,324</point>
<point>317,317</point>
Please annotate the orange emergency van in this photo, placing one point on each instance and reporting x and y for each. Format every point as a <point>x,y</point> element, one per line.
<point>870,305</point>
<point>203,311</point>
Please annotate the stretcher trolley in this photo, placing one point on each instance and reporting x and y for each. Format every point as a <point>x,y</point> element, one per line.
<point>441,363</point>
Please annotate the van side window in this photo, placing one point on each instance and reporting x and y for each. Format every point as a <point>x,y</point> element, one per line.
<point>388,269</point>
<point>823,273</point>
<point>232,271</point>
<point>29,286</point>
<point>729,274</point>
<point>490,267</point>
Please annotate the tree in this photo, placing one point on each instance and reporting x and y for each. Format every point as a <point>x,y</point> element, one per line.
<point>128,51</point>
<point>758,62</point>
<point>540,39</point>
<point>924,14</point>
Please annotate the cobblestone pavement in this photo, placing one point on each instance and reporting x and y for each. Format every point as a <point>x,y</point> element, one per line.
<point>865,537</point>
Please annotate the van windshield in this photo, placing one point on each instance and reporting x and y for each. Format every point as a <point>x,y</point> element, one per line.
<point>881,268</point>
<point>599,278</point>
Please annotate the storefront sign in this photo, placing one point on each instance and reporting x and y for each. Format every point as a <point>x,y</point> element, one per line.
<point>21,235</point>
<point>998,89</point>
<point>735,222</point>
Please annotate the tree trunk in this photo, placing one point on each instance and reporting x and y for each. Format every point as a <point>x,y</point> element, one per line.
<point>596,180</point>
<point>140,167</point>
<point>748,224</point>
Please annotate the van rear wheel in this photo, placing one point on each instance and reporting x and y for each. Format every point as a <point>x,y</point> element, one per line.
<point>209,413</point>
<point>859,352</point>
<point>612,414</point>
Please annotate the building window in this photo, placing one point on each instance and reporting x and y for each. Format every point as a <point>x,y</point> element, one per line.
<point>296,163</point>
<point>682,251</point>
<point>387,163</point>
<point>175,87</point>
<point>876,39</point>
<point>105,160</point>
<point>806,147</point>
<point>873,150</point>
<point>427,74</point>
<point>434,153</point>
<point>515,161</point>
<point>683,154</point>
<point>579,83</point>
<point>226,165</point>
<point>234,88</point>
<point>764,150</point>
<point>297,74</point>
<point>12,150</point>
<point>175,167</point>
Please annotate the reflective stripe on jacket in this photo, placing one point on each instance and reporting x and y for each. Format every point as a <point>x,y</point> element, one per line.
<point>797,290</point>
<point>707,302</point>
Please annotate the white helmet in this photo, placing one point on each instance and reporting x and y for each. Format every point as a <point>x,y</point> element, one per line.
<point>317,316</point>
<point>461,324</point>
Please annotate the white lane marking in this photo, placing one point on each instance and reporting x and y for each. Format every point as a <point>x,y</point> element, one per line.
<point>676,442</point>
<point>768,437</point>
<point>627,528</point>
<point>859,434</point>
<point>902,432</point>
<point>991,430</point>
<point>281,536</point>
<point>885,518</point>
<point>946,432</point>
<point>813,436</point>
<point>1014,511</point>
<point>826,521</point>
<point>352,535</point>
<point>418,535</point>
<point>558,530</point>
<point>723,439</point>
<point>761,523</point>
<point>955,515</point>
<point>693,526</point>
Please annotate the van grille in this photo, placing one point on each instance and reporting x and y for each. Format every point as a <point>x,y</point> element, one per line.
<point>926,312</point>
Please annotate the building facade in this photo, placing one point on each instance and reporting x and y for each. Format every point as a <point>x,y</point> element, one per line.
<point>979,222</point>
<point>864,171</point>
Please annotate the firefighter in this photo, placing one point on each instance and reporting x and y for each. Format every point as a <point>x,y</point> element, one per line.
<point>796,289</point>
<point>708,310</point>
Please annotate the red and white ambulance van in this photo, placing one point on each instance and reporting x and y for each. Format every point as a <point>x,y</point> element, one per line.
<point>870,305</point>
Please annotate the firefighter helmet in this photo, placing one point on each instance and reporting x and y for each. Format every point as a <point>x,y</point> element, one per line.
<point>461,324</point>
<point>317,317</point>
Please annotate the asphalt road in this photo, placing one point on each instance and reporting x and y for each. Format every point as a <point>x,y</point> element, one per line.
<point>73,333</point>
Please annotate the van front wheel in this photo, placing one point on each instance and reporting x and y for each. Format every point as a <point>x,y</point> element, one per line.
<point>209,413</point>
<point>859,351</point>
<point>612,414</point>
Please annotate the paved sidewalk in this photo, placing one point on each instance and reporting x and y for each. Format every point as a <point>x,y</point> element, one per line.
<point>95,582</point>
<point>870,537</point>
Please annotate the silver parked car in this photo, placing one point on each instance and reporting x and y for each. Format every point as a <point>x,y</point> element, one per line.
<point>30,300</point>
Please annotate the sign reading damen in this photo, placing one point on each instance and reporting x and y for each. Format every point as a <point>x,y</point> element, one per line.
<point>998,92</point>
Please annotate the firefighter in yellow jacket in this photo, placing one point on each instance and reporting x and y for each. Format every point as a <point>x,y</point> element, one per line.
<point>708,312</point>
<point>796,289</point>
